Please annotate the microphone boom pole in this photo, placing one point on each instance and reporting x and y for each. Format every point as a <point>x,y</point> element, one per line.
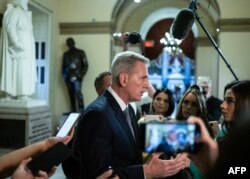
<point>214,43</point>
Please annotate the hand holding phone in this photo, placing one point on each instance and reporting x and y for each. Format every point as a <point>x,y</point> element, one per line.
<point>215,127</point>
<point>68,125</point>
<point>51,157</point>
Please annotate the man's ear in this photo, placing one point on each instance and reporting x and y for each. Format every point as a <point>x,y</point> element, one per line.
<point>123,79</point>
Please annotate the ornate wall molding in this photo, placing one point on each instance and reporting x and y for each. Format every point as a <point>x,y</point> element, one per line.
<point>86,28</point>
<point>204,41</point>
<point>234,25</point>
<point>226,25</point>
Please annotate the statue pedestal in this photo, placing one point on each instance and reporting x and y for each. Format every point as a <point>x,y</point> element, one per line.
<point>23,122</point>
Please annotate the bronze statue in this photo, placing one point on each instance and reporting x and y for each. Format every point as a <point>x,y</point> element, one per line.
<point>74,67</point>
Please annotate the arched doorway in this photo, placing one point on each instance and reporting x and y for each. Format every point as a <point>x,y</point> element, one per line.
<point>142,17</point>
<point>168,69</point>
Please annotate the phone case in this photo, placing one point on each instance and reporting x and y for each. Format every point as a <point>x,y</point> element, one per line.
<point>51,157</point>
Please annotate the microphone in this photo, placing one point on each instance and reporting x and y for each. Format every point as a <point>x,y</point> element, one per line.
<point>183,22</point>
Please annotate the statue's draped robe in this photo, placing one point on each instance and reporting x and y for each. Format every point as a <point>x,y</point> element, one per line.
<point>17,53</point>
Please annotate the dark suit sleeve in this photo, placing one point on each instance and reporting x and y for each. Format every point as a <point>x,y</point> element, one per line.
<point>100,147</point>
<point>213,108</point>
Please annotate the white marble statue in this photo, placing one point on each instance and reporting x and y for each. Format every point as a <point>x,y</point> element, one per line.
<point>17,52</point>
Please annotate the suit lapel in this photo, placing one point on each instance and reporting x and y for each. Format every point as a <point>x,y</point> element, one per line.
<point>121,117</point>
<point>121,121</point>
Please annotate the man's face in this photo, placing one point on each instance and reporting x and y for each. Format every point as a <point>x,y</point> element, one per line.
<point>206,87</point>
<point>137,82</point>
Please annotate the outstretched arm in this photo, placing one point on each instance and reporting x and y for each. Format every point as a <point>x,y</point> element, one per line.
<point>124,41</point>
<point>10,161</point>
<point>151,90</point>
<point>207,155</point>
<point>23,172</point>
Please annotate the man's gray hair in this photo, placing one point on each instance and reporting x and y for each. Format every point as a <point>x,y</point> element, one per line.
<point>204,79</point>
<point>124,62</point>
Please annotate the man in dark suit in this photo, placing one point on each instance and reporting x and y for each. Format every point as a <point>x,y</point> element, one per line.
<point>102,82</point>
<point>213,103</point>
<point>106,139</point>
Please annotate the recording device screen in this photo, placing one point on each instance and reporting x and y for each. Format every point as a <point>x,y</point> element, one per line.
<point>68,124</point>
<point>170,137</point>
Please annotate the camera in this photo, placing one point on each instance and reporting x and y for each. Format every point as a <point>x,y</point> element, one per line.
<point>134,38</point>
<point>169,137</point>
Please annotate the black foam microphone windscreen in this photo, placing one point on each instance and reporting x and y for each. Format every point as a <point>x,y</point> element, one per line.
<point>182,24</point>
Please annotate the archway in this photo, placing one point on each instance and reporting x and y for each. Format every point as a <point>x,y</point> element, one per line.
<point>142,17</point>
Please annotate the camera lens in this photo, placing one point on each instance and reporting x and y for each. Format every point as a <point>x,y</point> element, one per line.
<point>134,37</point>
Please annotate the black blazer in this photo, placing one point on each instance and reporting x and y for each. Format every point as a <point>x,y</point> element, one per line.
<point>103,139</point>
<point>213,108</point>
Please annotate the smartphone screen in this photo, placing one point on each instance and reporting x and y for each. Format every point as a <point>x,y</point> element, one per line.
<point>68,124</point>
<point>170,137</point>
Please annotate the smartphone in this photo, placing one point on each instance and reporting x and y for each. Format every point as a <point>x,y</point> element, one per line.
<point>169,137</point>
<point>51,157</point>
<point>68,124</point>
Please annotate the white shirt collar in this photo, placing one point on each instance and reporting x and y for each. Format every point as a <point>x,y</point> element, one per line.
<point>117,98</point>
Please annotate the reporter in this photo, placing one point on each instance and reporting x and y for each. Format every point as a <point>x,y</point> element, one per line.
<point>215,163</point>
<point>23,172</point>
<point>124,41</point>
<point>208,152</point>
<point>235,106</point>
<point>193,103</point>
<point>162,104</point>
<point>9,162</point>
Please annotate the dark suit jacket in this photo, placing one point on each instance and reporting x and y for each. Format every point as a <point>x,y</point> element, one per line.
<point>213,108</point>
<point>103,138</point>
